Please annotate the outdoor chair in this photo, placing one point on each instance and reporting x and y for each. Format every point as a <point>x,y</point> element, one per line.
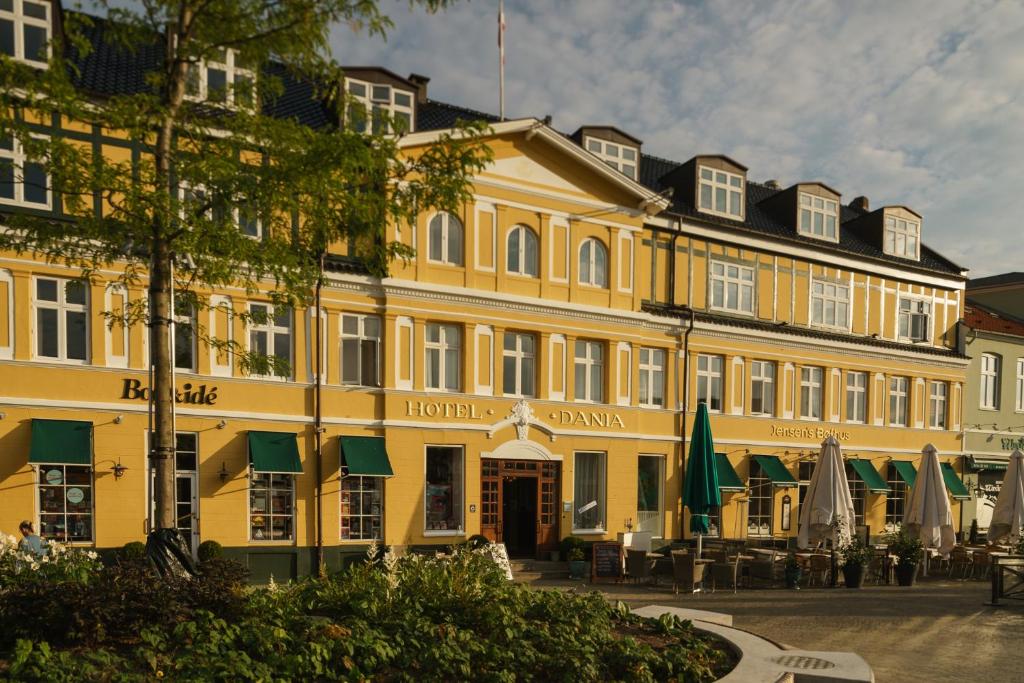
<point>960,562</point>
<point>818,569</point>
<point>638,565</point>
<point>724,570</point>
<point>880,568</point>
<point>981,564</point>
<point>764,568</point>
<point>686,572</point>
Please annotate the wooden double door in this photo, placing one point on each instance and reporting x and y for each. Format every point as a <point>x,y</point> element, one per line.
<point>519,505</point>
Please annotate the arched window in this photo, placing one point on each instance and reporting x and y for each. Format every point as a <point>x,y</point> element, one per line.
<point>593,263</point>
<point>522,251</point>
<point>445,237</point>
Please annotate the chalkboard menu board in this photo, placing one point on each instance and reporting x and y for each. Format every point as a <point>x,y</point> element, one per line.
<point>606,562</point>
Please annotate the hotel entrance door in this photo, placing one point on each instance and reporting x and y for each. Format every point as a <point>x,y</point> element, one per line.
<point>519,505</point>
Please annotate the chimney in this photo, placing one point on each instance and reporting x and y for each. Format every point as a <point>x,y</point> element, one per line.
<point>774,184</point>
<point>547,120</point>
<point>421,86</point>
<point>860,203</point>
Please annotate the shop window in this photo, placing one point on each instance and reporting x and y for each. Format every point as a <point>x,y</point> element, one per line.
<point>519,370</point>
<point>589,371</point>
<point>521,257</point>
<point>443,357</point>
<point>24,181</point>
<point>184,334</point>
<point>652,378</point>
<point>732,287</point>
<point>721,193</point>
<point>270,336</point>
<point>65,503</point>
<point>710,373</point>
<point>1020,385</point>
<point>588,491</point>
<point>360,350</point>
<point>444,492</point>
<point>895,500</point>
<point>856,396</point>
<point>25,30</point>
<point>811,382</point>
<point>899,389</point>
<point>62,319</point>
<point>858,492</point>
<point>593,269</point>
<point>271,507</point>
<point>937,400</point>
<point>913,321</point>
<point>760,504</point>
<point>990,381</point>
<point>762,387</point>
<point>650,493</point>
<point>362,508</point>
<point>444,234</point>
<point>805,470</point>
<point>830,304</point>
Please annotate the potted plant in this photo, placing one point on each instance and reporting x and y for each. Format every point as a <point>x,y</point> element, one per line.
<point>854,559</point>
<point>907,550</point>
<point>572,551</point>
<point>792,572</point>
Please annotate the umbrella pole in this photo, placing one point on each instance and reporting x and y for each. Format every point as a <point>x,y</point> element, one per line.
<point>699,537</point>
<point>924,568</point>
<point>832,562</point>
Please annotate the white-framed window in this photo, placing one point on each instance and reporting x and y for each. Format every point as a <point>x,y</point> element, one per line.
<point>362,508</point>
<point>902,237</point>
<point>61,319</point>
<point>443,506</point>
<point>271,335</point>
<point>223,80</point>
<point>895,500</point>
<point>858,493</point>
<point>1020,385</point>
<point>710,381</point>
<point>25,30</point>
<point>444,357</point>
<point>819,217</point>
<point>620,157</point>
<point>652,378</point>
<point>937,401</point>
<point>721,193</point>
<point>899,389</point>
<point>271,506</point>
<point>66,503</point>
<point>914,314</point>
<point>185,338</point>
<point>589,486</point>
<point>519,370</point>
<point>990,367</point>
<point>522,252</point>
<point>830,304</point>
<point>762,387</point>
<point>23,181</point>
<point>589,371</point>
<point>593,263</point>
<point>360,350</point>
<point>650,494</point>
<point>732,287</point>
<point>856,397</point>
<point>445,238</point>
<point>371,103</point>
<point>760,503</point>
<point>811,382</point>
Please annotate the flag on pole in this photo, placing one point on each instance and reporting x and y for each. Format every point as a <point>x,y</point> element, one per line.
<point>501,59</point>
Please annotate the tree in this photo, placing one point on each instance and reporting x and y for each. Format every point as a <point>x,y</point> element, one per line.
<point>220,161</point>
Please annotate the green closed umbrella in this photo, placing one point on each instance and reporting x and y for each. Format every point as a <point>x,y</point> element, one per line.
<point>700,487</point>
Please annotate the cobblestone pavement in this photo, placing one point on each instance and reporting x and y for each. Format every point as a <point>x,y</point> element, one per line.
<point>938,630</point>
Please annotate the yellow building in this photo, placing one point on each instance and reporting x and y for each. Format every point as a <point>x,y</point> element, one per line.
<point>532,373</point>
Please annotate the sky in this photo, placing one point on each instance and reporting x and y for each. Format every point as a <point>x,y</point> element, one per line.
<point>918,103</point>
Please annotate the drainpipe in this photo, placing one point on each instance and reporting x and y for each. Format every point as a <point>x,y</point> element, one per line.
<point>688,315</point>
<point>318,429</point>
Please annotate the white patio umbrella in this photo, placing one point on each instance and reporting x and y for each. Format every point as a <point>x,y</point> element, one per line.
<point>827,500</point>
<point>928,514</point>
<point>1008,516</point>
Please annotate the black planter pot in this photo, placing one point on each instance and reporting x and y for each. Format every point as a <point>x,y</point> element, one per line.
<point>792,578</point>
<point>853,575</point>
<point>577,569</point>
<point>906,573</point>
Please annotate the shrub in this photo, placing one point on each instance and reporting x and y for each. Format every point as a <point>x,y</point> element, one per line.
<point>570,543</point>
<point>209,550</point>
<point>477,541</point>
<point>133,552</point>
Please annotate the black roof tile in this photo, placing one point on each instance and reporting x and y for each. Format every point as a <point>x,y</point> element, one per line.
<point>996,280</point>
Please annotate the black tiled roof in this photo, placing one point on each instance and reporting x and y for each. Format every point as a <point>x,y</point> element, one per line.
<point>996,280</point>
<point>434,115</point>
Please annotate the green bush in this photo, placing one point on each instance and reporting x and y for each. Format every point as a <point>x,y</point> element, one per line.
<point>133,551</point>
<point>477,541</point>
<point>209,550</point>
<point>570,543</point>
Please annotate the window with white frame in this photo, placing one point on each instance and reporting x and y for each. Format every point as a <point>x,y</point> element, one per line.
<point>271,507</point>
<point>223,79</point>
<point>721,193</point>
<point>732,287</point>
<point>650,494</point>
<point>521,257</point>
<point>762,387</point>
<point>444,236</point>
<point>588,505</point>
<point>360,350</point>
<point>895,499</point>
<point>184,334</point>
<point>858,493</point>
<point>379,107</point>
<point>589,371</point>
<point>362,508</point>
<point>819,217</point>
<point>444,490</point>
<point>62,319</point>
<point>899,389</point>
<point>710,373</point>
<point>1020,385</point>
<point>65,503</point>
<point>856,396</point>
<point>25,30</point>
<point>760,503</point>
<point>830,304</point>
<point>593,263</point>
<point>270,336</point>
<point>937,400</point>
<point>811,382</point>
<point>519,369</point>
<point>990,363</point>
<point>444,358</point>
<point>902,237</point>
<point>652,378</point>
<point>620,157</point>
<point>914,314</point>
<point>23,181</point>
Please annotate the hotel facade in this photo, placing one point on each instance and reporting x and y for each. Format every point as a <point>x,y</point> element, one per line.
<point>531,373</point>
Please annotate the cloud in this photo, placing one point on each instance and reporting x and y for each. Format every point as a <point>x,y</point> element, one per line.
<point>916,102</point>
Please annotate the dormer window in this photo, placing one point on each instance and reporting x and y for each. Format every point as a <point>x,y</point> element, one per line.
<point>721,193</point>
<point>819,217</point>
<point>619,157</point>
<point>223,80</point>
<point>25,31</point>
<point>378,100</point>
<point>902,237</point>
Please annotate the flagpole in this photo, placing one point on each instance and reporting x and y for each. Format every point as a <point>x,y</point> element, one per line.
<point>501,59</point>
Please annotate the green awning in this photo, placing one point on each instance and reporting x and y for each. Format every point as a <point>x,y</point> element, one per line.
<point>61,442</point>
<point>953,483</point>
<point>728,480</point>
<point>365,456</point>
<point>990,464</point>
<point>776,471</point>
<point>276,452</point>
<point>869,475</point>
<point>906,470</point>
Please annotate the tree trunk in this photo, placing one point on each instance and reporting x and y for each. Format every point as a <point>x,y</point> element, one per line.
<point>163,450</point>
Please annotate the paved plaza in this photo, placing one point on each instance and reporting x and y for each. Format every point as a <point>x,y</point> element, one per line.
<point>939,630</point>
